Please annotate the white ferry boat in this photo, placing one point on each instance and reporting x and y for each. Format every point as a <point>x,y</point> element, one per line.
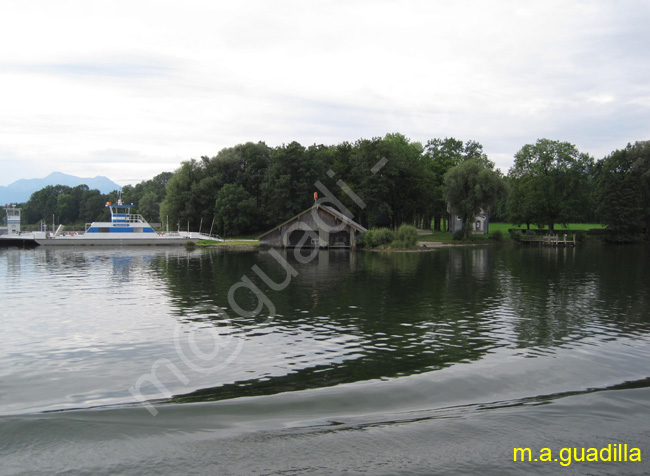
<point>124,228</point>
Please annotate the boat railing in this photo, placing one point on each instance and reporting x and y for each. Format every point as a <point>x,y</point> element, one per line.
<point>135,218</point>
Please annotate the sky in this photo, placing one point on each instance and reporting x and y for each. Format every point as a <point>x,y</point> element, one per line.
<point>130,89</point>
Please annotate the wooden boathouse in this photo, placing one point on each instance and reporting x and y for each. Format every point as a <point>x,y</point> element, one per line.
<point>317,227</point>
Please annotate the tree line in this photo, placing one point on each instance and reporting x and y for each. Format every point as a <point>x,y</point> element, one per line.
<point>383,182</point>
<point>75,206</point>
<point>551,183</point>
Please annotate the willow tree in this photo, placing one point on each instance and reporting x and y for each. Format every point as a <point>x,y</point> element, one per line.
<point>439,157</point>
<point>469,188</point>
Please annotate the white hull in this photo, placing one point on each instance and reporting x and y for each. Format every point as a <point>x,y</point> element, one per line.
<point>113,239</point>
<point>109,241</point>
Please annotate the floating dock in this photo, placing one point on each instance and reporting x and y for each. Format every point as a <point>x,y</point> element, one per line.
<point>550,240</point>
<point>17,241</point>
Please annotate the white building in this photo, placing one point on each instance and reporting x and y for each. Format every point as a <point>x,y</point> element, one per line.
<point>480,226</point>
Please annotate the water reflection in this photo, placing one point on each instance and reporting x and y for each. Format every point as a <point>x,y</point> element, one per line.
<point>351,316</point>
<point>343,317</point>
<point>564,296</point>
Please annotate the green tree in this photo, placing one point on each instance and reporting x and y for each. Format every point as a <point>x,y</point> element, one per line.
<point>520,209</point>
<point>181,205</point>
<point>469,188</point>
<point>67,209</point>
<point>149,205</point>
<point>282,180</point>
<point>440,155</point>
<point>289,183</point>
<point>191,191</point>
<point>641,154</point>
<point>391,193</point>
<point>354,165</point>
<point>235,211</point>
<point>147,195</point>
<point>254,160</point>
<point>42,204</point>
<point>622,189</point>
<point>404,170</point>
<point>92,207</point>
<point>69,203</point>
<point>550,183</point>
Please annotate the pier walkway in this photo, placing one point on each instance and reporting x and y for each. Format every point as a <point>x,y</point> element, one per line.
<point>550,240</point>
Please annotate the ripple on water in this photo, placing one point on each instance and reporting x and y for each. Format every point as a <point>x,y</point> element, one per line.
<point>118,312</point>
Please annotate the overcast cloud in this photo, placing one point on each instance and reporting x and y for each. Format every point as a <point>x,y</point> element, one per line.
<point>129,89</point>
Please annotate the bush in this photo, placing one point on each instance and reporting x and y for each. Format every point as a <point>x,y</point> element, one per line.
<point>382,237</point>
<point>458,235</point>
<point>368,239</point>
<point>617,238</point>
<point>515,234</point>
<point>407,236</point>
<point>497,236</point>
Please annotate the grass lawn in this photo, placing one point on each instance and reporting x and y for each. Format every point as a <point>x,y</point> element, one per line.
<point>229,243</point>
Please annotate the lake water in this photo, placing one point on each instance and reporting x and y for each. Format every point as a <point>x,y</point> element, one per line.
<point>342,363</point>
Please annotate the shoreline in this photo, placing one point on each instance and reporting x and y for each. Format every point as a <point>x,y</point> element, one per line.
<point>422,246</point>
<point>232,244</point>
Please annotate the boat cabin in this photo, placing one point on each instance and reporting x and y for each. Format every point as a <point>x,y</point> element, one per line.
<point>122,221</point>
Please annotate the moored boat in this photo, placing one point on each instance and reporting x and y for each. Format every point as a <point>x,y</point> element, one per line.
<point>124,228</point>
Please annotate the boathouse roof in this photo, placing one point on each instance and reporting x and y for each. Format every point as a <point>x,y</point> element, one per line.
<point>332,211</point>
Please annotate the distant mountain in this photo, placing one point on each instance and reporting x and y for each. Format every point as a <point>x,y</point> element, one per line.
<point>21,190</point>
